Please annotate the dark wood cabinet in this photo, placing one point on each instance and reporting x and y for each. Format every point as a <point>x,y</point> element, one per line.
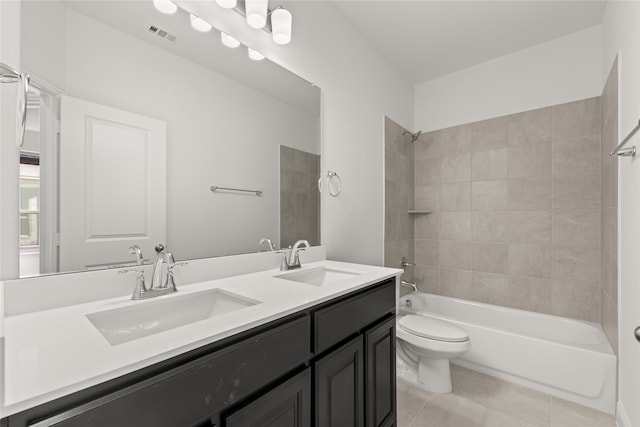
<point>330,365</point>
<point>380,361</point>
<point>339,386</point>
<point>288,405</point>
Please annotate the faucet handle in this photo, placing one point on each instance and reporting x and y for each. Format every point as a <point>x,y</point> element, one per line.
<point>141,287</point>
<point>176,264</point>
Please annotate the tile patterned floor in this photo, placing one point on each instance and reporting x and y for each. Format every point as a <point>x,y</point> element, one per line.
<point>484,401</point>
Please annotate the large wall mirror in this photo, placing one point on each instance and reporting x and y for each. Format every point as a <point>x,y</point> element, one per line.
<point>132,118</point>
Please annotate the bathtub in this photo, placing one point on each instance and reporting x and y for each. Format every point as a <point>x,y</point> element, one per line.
<point>567,358</point>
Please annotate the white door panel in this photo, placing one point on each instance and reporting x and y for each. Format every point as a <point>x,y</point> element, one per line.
<point>112,184</point>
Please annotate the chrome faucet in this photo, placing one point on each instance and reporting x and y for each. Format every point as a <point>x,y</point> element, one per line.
<point>411,285</point>
<point>135,250</point>
<point>269,243</point>
<point>294,260</point>
<point>162,280</point>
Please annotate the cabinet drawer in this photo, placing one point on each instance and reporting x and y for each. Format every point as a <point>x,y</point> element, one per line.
<point>338,321</point>
<point>199,390</point>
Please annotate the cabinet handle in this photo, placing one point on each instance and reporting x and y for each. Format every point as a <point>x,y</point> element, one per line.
<point>636,332</point>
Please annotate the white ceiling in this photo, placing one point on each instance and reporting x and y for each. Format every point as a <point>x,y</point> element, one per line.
<point>425,39</point>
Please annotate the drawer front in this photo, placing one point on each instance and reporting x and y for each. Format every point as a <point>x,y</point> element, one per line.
<point>338,321</point>
<point>197,391</point>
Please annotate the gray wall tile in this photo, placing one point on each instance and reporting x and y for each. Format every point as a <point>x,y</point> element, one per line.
<point>610,277</point>
<point>489,164</point>
<point>455,140</point>
<point>428,146</point>
<point>530,294</point>
<point>427,279</point>
<point>530,260</point>
<point>576,192</point>
<point>489,195</point>
<point>455,197</point>
<point>576,118</point>
<point>578,264</point>
<point>580,155</point>
<point>530,127</point>
<point>455,283</point>
<point>489,257</point>
<point>427,171</point>
<point>489,226</point>
<point>529,160</point>
<point>456,168</point>
<point>427,197</point>
<point>532,193</point>
<point>426,253</point>
<point>576,227</point>
<point>427,226</point>
<point>455,225</point>
<point>455,254</point>
<point>609,320</point>
<point>490,288</point>
<point>492,133</point>
<point>575,300</point>
<point>529,227</point>
<point>610,231</point>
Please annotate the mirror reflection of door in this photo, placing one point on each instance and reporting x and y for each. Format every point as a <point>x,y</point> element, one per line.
<point>38,184</point>
<point>112,184</point>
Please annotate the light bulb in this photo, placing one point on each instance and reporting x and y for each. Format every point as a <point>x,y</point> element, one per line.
<point>256,11</point>
<point>227,4</point>
<point>199,24</point>
<point>165,6</point>
<point>255,55</point>
<point>229,41</point>
<point>281,26</point>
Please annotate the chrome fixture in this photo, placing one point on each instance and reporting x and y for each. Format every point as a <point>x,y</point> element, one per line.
<point>162,280</point>
<point>215,188</point>
<point>271,246</point>
<point>9,75</point>
<point>135,250</point>
<point>414,136</point>
<point>294,259</point>
<point>405,263</point>
<point>332,177</point>
<point>411,285</point>
<point>629,151</point>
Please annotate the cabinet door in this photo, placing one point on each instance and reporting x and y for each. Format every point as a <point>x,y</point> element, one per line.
<point>288,405</point>
<point>380,362</point>
<point>339,385</point>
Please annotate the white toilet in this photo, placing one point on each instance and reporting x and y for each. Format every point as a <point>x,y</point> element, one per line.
<point>424,346</point>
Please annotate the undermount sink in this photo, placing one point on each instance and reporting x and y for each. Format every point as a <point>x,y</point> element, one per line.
<point>319,276</point>
<point>130,323</point>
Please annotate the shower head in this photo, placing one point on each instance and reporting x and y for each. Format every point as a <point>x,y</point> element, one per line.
<point>414,136</point>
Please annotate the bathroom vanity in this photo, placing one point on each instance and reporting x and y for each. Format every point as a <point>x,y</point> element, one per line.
<point>324,357</point>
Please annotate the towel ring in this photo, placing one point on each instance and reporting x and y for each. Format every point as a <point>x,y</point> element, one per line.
<point>331,175</point>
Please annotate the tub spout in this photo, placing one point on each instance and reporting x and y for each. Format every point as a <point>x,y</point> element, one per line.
<point>411,285</point>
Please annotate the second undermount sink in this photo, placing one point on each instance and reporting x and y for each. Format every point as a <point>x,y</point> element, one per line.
<point>126,324</point>
<point>319,276</point>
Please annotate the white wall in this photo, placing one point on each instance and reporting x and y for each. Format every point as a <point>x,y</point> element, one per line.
<point>562,70</point>
<point>621,34</point>
<point>209,141</point>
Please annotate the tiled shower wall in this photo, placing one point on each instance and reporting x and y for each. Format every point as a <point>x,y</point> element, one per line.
<point>398,235</point>
<point>299,196</point>
<point>517,210</point>
<point>609,247</point>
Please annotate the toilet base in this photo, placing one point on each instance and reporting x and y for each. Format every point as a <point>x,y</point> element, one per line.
<point>432,379</point>
<point>434,375</point>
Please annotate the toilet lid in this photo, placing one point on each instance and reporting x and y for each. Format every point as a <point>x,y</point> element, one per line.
<point>429,327</point>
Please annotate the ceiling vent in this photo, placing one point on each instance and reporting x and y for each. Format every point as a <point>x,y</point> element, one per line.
<point>162,33</point>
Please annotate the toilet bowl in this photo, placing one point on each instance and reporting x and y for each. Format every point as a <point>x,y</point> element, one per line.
<point>424,346</point>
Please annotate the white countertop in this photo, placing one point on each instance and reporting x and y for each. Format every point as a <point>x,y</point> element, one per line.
<point>52,353</point>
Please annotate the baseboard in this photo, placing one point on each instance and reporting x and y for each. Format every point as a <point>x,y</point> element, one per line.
<point>622,420</point>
